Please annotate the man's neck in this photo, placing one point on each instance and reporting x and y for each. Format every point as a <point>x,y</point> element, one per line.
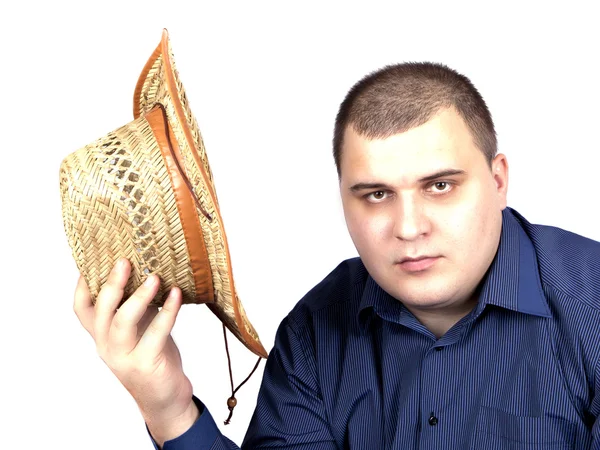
<point>440,321</point>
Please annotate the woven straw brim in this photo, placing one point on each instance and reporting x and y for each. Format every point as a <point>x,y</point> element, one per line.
<point>133,197</point>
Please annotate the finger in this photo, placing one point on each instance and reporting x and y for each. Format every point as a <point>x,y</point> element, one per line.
<point>109,298</point>
<point>148,317</point>
<point>83,307</point>
<point>123,334</point>
<point>155,337</point>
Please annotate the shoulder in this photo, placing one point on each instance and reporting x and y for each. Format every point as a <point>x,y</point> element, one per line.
<point>569,268</point>
<point>339,290</point>
<point>568,262</point>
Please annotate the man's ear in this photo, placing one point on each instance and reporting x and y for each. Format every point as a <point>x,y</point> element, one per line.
<point>500,174</point>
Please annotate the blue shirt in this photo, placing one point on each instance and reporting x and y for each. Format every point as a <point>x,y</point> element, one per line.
<point>352,368</point>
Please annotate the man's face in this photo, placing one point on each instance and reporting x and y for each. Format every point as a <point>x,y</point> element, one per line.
<point>424,210</point>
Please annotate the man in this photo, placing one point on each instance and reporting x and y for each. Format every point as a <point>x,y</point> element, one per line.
<point>460,326</point>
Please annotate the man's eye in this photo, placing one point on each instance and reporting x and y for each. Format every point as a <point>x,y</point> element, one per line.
<point>376,196</point>
<point>440,187</point>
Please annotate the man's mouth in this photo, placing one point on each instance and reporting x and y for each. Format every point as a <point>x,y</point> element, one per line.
<point>418,263</point>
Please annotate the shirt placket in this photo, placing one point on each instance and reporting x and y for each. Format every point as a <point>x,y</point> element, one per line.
<point>432,419</point>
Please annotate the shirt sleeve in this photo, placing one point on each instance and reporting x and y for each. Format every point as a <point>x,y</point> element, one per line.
<point>289,413</point>
<point>203,435</point>
<point>595,409</point>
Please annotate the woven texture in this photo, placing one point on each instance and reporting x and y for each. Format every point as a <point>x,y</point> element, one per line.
<point>118,201</point>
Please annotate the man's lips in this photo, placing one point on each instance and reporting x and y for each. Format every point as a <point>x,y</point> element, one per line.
<point>418,263</point>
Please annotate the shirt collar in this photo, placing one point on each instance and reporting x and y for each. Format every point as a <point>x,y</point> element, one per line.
<point>375,300</point>
<point>512,281</point>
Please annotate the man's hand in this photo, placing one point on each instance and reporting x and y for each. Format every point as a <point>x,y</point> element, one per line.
<point>135,343</point>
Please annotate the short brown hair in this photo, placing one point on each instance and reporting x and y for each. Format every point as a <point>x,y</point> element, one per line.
<point>403,96</point>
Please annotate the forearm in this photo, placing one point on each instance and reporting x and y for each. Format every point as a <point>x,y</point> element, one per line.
<point>290,412</point>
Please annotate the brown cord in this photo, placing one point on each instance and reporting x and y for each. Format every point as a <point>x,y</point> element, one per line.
<point>183,175</point>
<point>231,401</point>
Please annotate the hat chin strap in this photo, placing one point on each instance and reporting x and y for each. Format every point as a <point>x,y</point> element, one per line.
<point>183,174</point>
<point>231,401</point>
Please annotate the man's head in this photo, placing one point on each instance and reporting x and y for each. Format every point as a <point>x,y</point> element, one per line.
<point>403,96</point>
<point>415,149</point>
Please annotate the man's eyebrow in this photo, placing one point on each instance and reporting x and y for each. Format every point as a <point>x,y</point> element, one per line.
<point>441,174</point>
<point>434,176</point>
<point>362,186</point>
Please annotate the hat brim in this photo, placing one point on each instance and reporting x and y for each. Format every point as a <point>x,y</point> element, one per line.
<point>159,83</point>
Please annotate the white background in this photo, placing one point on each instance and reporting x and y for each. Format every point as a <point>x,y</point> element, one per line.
<point>265,81</point>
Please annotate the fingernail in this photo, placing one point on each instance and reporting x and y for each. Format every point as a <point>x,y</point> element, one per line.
<point>172,294</point>
<point>118,265</point>
<point>149,281</point>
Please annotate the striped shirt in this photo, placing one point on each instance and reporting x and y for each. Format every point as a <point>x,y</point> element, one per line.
<point>352,368</point>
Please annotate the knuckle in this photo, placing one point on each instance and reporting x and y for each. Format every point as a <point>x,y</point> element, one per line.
<point>120,366</point>
<point>141,298</point>
<point>167,308</point>
<point>109,294</point>
<point>121,322</point>
<point>102,351</point>
<point>108,289</point>
<point>153,328</point>
<point>116,363</point>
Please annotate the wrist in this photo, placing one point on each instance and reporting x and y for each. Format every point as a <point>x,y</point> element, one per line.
<point>164,428</point>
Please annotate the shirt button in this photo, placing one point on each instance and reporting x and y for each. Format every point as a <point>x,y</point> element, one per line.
<point>439,349</point>
<point>433,421</point>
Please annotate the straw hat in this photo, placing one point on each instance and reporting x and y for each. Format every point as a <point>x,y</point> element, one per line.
<point>145,191</point>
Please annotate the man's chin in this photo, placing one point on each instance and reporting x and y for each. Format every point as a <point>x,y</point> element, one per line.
<point>422,295</point>
<point>425,304</point>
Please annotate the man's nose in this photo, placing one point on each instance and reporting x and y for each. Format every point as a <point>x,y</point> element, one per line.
<point>410,221</point>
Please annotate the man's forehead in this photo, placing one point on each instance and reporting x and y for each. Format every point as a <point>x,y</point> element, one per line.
<point>440,144</point>
<point>377,158</point>
<point>447,123</point>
